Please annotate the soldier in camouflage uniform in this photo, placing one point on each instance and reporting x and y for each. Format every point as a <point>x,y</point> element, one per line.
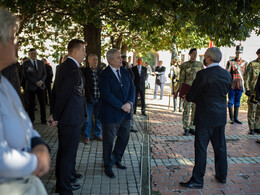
<point>176,86</point>
<point>188,71</point>
<point>251,75</point>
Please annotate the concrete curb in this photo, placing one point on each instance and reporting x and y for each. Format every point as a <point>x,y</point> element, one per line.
<point>145,161</point>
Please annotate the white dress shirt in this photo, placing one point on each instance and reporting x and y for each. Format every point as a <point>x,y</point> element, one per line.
<point>15,124</point>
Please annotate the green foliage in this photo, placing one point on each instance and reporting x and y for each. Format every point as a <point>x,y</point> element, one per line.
<point>143,25</point>
<point>150,59</point>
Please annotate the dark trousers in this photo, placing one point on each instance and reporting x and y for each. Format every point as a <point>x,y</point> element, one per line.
<point>120,130</point>
<point>142,95</point>
<point>68,136</point>
<point>217,137</point>
<point>48,91</point>
<point>31,103</point>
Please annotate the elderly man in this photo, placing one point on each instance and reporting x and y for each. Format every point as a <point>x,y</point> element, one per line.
<point>160,79</point>
<point>92,98</point>
<point>208,92</point>
<point>117,94</point>
<point>23,153</point>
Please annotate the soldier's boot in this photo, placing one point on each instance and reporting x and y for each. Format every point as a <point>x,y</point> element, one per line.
<point>180,105</point>
<point>174,104</point>
<point>251,131</point>
<point>230,110</point>
<point>186,132</point>
<point>236,109</point>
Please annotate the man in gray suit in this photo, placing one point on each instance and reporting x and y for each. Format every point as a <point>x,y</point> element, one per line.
<point>35,75</point>
<point>160,79</point>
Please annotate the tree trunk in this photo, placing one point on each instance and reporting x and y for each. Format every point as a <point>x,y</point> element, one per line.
<point>124,48</point>
<point>116,41</point>
<point>92,36</point>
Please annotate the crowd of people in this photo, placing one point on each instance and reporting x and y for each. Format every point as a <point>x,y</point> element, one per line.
<point>83,97</point>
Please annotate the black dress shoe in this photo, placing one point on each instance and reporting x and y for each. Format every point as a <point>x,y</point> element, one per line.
<point>237,121</point>
<point>120,166</point>
<point>251,131</point>
<point>144,114</point>
<point>74,181</point>
<point>186,132</point>
<point>109,173</point>
<point>133,130</point>
<point>75,187</point>
<point>191,184</point>
<point>77,175</point>
<point>220,180</point>
<point>192,131</point>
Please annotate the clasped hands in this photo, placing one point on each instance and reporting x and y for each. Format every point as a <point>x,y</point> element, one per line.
<point>126,107</point>
<point>39,83</point>
<point>51,122</point>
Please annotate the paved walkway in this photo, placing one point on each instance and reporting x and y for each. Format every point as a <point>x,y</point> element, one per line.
<point>90,164</point>
<point>170,158</point>
<point>172,155</point>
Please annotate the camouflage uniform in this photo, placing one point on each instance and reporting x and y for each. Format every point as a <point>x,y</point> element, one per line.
<point>251,75</point>
<point>187,75</point>
<point>176,87</point>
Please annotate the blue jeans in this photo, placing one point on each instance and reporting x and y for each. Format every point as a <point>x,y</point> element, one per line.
<point>234,97</point>
<point>93,109</point>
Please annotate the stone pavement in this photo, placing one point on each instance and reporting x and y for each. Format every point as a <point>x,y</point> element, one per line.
<point>90,164</point>
<point>162,156</point>
<point>172,154</point>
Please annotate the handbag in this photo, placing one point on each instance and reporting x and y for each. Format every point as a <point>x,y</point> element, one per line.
<point>158,82</point>
<point>28,185</point>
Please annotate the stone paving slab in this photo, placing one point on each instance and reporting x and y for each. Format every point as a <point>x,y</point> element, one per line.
<point>90,164</point>
<point>172,154</point>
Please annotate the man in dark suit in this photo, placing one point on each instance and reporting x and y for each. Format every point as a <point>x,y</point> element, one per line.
<point>48,81</point>
<point>68,113</point>
<point>35,75</point>
<point>92,94</point>
<point>116,95</point>
<point>208,92</point>
<point>140,74</point>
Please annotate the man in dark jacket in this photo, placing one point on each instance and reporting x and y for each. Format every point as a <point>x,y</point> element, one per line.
<point>48,81</point>
<point>140,74</point>
<point>208,92</point>
<point>92,94</point>
<point>35,75</point>
<point>68,112</point>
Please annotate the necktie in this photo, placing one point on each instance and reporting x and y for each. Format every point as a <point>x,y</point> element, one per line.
<point>34,63</point>
<point>119,77</point>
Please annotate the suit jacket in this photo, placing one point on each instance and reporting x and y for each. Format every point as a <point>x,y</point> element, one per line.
<point>161,73</point>
<point>139,80</point>
<point>68,101</point>
<point>113,96</point>
<point>208,92</point>
<point>89,86</point>
<point>32,75</point>
<point>11,73</point>
<point>49,74</point>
